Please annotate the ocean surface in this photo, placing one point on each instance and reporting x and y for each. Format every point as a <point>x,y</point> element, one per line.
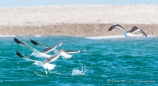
<point>101,62</point>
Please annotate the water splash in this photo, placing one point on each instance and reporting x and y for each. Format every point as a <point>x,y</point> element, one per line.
<point>79,72</point>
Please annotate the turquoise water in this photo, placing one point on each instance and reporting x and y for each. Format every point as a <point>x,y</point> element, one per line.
<point>122,61</point>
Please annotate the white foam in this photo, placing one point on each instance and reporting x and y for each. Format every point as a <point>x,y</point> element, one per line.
<point>78,72</point>
<point>38,36</point>
<point>7,35</point>
<point>105,37</point>
<point>111,37</point>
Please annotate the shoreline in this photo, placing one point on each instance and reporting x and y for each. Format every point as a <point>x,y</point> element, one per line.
<point>77,30</point>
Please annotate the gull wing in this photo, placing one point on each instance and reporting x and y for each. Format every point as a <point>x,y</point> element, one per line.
<point>143,33</point>
<point>64,54</point>
<point>36,43</point>
<point>136,29</point>
<point>72,51</point>
<point>23,57</point>
<point>24,44</point>
<point>116,26</point>
<point>51,48</point>
<point>53,58</point>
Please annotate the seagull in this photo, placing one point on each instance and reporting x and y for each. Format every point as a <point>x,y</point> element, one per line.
<point>36,53</point>
<point>45,64</point>
<point>67,51</point>
<point>130,32</point>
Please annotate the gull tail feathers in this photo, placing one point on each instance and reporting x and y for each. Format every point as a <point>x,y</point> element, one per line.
<point>65,55</point>
<point>49,66</point>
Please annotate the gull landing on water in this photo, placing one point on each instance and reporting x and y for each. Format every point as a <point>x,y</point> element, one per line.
<point>130,32</point>
<point>36,53</point>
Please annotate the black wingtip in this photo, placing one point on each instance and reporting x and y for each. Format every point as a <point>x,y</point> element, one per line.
<point>114,26</point>
<point>143,33</point>
<point>18,54</point>
<point>17,41</point>
<point>34,42</point>
<point>109,30</point>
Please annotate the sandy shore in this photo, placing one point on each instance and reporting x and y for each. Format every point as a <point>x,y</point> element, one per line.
<point>80,30</point>
<point>77,20</point>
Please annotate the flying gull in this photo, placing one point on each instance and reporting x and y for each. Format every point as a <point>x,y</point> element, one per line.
<point>36,53</point>
<point>130,32</point>
<point>67,51</point>
<point>45,64</point>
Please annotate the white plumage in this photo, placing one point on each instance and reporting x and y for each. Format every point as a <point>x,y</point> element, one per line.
<point>36,53</point>
<point>130,33</point>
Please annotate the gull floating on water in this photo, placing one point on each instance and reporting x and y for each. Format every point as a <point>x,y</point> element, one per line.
<point>130,32</point>
<point>36,53</point>
<point>67,51</point>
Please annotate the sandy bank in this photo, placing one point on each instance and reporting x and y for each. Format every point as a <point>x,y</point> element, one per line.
<point>81,30</point>
<point>77,20</point>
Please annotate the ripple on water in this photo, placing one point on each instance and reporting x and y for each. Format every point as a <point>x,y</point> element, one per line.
<point>124,58</point>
